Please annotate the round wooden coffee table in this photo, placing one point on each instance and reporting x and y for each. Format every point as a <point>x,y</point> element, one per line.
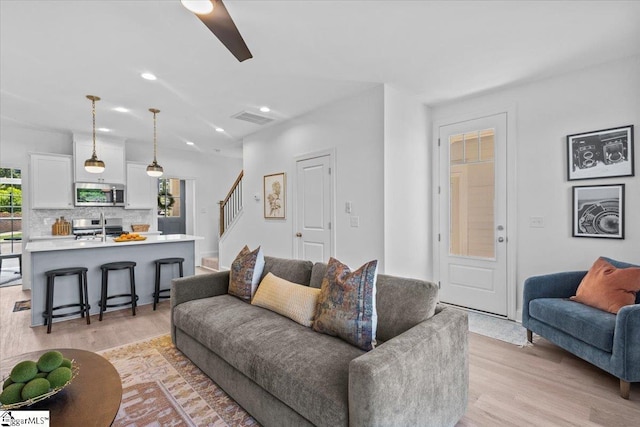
<point>93,397</point>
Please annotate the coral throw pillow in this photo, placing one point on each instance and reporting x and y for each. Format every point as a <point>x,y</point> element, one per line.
<point>607,287</point>
<point>245,273</point>
<point>347,304</point>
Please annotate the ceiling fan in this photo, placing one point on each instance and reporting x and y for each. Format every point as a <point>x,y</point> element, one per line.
<point>215,16</point>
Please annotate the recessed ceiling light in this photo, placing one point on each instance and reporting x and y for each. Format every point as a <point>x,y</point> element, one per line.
<point>148,76</point>
<point>200,7</point>
<point>104,129</point>
<point>219,130</point>
<point>265,109</point>
<point>121,109</point>
<point>190,143</point>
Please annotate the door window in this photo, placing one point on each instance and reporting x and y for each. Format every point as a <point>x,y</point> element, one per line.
<point>472,194</point>
<point>169,197</point>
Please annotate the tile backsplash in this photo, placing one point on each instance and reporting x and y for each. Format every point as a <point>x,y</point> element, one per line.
<point>41,220</point>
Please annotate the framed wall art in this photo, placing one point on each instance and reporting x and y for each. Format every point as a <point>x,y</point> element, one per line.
<point>598,211</point>
<point>603,153</point>
<point>274,196</point>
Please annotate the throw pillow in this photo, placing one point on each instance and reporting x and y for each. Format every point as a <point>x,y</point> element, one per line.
<point>607,287</point>
<point>245,273</point>
<point>347,304</point>
<point>297,302</point>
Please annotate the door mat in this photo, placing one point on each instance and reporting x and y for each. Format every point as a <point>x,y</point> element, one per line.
<point>22,305</point>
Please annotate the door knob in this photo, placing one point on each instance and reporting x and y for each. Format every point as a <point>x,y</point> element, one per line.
<point>298,234</point>
<point>500,239</point>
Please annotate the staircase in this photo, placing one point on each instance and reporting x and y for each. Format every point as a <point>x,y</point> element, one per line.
<point>231,206</point>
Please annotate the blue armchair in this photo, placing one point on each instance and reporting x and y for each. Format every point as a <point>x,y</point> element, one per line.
<point>608,341</point>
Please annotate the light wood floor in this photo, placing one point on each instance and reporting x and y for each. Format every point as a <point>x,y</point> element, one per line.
<point>538,385</point>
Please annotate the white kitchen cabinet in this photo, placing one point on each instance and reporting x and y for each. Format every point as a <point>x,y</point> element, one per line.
<point>110,151</point>
<point>141,189</point>
<point>51,182</point>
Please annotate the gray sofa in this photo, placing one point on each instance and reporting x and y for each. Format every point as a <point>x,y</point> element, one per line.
<point>608,341</point>
<point>285,374</point>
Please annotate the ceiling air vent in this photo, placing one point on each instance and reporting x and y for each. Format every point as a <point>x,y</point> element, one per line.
<point>252,118</point>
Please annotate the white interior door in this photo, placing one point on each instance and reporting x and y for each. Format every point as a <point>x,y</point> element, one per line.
<point>313,208</point>
<point>473,214</point>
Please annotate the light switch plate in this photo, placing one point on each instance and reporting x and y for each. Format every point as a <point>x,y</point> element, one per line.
<point>354,221</point>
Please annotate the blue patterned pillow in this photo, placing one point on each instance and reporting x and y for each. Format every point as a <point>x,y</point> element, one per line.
<point>245,273</point>
<point>347,304</point>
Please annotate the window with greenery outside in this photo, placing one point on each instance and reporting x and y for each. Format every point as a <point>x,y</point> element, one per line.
<point>10,204</point>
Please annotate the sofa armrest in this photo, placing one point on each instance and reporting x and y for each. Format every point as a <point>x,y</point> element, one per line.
<point>420,377</point>
<point>555,285</point>
<point>185,289</point>
<point>626,343</point>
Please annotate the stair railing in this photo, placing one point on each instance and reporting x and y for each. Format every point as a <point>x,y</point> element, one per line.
<point>231,206</point>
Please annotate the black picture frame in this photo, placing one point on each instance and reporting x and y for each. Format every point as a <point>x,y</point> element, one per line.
<point>598,211</point>
<point>606,153</point>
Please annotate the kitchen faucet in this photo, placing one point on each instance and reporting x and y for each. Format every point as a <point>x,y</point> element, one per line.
<point>102,224</point>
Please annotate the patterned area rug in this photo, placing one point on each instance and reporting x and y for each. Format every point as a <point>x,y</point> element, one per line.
<point>161,387</point>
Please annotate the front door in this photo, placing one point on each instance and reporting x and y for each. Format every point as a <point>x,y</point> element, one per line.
<point>473,214</point>
<point>313,208</point>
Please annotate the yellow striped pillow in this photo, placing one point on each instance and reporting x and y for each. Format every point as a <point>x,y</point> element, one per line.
<point>297,302</point>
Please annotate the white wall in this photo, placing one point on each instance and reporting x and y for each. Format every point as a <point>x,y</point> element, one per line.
<point>213,175</point>
<point>354,128</point>
<point>407,193</point>
<point>546,111</point>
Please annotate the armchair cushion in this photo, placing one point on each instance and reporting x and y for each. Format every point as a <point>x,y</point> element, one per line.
<point>591,325</point>
<point>607,287</point>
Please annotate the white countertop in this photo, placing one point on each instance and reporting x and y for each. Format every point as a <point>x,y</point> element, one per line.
<point>65,245</point>
<point>52,237</point>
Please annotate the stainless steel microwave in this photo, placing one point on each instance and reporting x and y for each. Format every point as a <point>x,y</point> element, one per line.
<point>99,194</point>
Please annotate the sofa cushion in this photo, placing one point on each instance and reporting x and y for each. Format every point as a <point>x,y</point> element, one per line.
<point>293,270</point>
<point>245,273</point>
<point>347,304</point>
<point>297,302</point>
<point>401,303</point>
<point>588,324</point>
<point>607,287</point>
<point>306,370</point>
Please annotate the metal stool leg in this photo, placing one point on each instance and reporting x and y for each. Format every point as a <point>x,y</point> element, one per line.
<point>49,318</point>
<point>133,290</point>
<point>81,294</point>
<point>85,295</point>
<point>103,293</point>
<point>156,293</point>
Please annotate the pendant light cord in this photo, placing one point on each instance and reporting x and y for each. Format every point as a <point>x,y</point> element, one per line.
<point>93,113</point>
<point>155,144</point>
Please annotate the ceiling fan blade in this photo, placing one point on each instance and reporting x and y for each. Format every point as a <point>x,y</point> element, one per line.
<point>220,23</point>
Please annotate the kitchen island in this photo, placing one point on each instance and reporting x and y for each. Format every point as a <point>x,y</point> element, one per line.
<point>53,254</point>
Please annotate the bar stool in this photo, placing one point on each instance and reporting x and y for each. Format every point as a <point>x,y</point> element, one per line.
<point>83,301</point>
<point>160,263</point>
<point>111,266</point>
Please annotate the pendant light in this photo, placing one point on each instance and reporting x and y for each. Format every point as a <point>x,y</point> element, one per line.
<point>154,169</point>
<point>94,165</point>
